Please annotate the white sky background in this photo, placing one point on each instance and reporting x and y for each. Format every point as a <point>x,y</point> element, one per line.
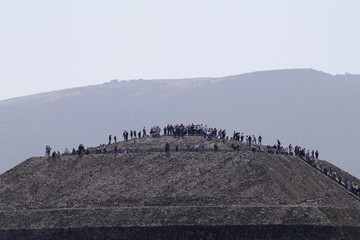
<point>48,45</point>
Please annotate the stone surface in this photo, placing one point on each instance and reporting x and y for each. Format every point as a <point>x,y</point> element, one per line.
<point>211,195</point>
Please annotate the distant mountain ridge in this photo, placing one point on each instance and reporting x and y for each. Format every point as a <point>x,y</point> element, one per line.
<point>300,106</point>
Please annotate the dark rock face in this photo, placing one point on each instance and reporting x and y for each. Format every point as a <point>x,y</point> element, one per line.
<point>289,232</point>
<point>147,195</point>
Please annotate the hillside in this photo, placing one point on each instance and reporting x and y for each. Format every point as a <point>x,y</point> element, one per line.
<point>185,194</point>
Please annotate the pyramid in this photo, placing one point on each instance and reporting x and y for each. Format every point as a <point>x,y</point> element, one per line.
<point>243,193</point>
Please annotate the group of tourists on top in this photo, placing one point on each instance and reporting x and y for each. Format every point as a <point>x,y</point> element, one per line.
<point>178,130</point>
<point>181,130</point>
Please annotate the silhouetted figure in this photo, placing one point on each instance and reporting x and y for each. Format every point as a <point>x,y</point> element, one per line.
<point>126,135</point>
<point>216,148</point>
<point>81,149</point>
<point>317,154</point>
<point>144,132</point>
<point>47,151</point>
<point>167,149</point>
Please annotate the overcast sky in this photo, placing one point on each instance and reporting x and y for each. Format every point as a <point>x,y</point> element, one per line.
<point>55,44</point>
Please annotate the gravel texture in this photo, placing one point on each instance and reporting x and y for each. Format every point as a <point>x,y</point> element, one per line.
<point>148,189</point>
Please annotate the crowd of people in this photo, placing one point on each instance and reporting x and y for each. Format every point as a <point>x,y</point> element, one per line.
<point>311,157</point>
<point>209,133</point>
<point>181,130</point>
<point>331,173</point>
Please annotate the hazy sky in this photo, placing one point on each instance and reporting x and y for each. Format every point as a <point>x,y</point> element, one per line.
<point>55,44</point>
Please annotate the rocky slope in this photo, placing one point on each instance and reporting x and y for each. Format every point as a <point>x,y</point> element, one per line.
<point>185,194</point>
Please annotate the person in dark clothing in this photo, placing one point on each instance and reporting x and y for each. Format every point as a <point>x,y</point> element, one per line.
<point>317,154</point>
<point>115,139</point>
<point>144,132</point>
<point>216,148</point>
<point>48,150</point>
<point>81,149</point>
<point>249,139</point>
<point>109,139</point>
<point>339,177</point>
<point>167,149</point>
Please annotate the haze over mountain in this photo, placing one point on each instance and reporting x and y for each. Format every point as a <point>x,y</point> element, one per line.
<point>304,107</point>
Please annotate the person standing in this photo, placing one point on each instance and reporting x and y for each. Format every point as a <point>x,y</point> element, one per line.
<point>47,151</point>
<point>317,154</point>
<point>216,148</point>
<point>144,132</point>
<point>167,149</point>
